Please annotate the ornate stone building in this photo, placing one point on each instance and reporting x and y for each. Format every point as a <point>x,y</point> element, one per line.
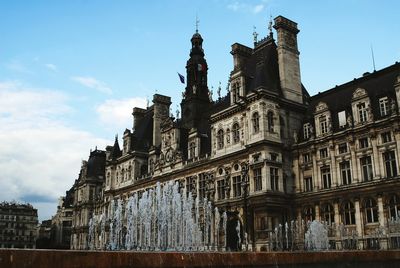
<point>266,152</point>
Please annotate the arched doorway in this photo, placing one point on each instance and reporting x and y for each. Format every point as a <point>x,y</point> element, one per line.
<point>234,232</point>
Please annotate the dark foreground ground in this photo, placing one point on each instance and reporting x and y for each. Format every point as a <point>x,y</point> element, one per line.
<point>10,258</point>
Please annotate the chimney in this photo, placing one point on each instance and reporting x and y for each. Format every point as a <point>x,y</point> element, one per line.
<point>288,58</point>
<point>138,114</point>
<point>161,112</point>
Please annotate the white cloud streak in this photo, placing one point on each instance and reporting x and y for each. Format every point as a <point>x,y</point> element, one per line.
<point>90,82</point>
<point>40,156</point>
<point>118,113</point>
<point>51,67</point>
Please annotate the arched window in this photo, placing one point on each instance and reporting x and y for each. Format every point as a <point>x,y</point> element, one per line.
<point>220,139</point>
<point>348,213</point>
<point>371,210</point>
<point>236,133</point>
<point>328,214</point>
<point>308,213</point>
<point>256,122</point>
<point>394,207</point>
<point>270,121</point>
<point>192,150</point>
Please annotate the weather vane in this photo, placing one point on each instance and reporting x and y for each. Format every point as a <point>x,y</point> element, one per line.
<point>197,24</point>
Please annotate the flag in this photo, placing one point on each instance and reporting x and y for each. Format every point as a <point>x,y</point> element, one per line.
<point>182,78</point>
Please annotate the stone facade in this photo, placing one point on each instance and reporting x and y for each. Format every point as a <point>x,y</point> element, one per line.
<point>266,152</point>
<point>18,225</point>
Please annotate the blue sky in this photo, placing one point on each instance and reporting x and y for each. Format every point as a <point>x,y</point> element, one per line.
<point>71,71</point>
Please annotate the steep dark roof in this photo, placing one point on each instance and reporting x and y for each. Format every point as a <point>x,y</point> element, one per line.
<point>262,67</point>
<point>377,84</point>
<point>116,151</point>
<point>142,136</point>
<point>96,164</point>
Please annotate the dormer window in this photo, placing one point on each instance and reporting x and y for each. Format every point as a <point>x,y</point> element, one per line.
<point>362,112</point>
<point>256,122</point>
<point>323,124</point>
<point>236,133</point>
<point>192,150</point>
<point>384,106</point>
<point>307,130</point>
<point>220,139</point>
<point>270,119</point>
<point>236,92</point>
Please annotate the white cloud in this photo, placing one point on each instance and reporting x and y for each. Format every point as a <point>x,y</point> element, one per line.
<point>40,156</point>
<point>118,113</point>
<point>93,83</point>
<point>51,67</point>
<point>245,7</point>
<point>258,8</point>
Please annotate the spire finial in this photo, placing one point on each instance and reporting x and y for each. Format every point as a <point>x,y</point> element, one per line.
<point>255,34</point>
<point>219,90</point>
<point>270,25</point>
<point>197,24</point>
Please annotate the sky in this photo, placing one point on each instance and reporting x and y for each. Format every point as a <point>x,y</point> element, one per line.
<point>71,71</point>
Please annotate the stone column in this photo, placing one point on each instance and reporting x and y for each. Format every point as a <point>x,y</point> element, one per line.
<point>354,164</point>
<point>337,223</point>
<point>359,225</point>
<point>375,157</point>
<point>316,179</point>
<point>333,166</point>
<point>317,212</point>
<point>381,218</point>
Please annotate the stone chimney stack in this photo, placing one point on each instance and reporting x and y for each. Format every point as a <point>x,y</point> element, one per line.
<point>288,58</point>
<point>161,112</point>
<point>138,114</point>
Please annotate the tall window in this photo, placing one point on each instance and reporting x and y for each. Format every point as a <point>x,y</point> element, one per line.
<point>342,148</point>
<point>306,158</point>
<point>257,179</point>
<point>236,133</point>
<point>221,189</point>
<point>366,166</point>
<point>345,172</point>
<point>390,164</point>
<point>394,207</point>
<point>236,91</point>
<point>342,119</point>
<point>328,213</point>
<point>323,153</point>
<point>256,122</point>
<point>323,124</point>
<point>363,142</point>
<point>308,213</point>
<point>202,186</point>
<point>326,177</point>
<point>307,130</point>
<point>190,181</point>
<point>362,112</point>
<point>270,120</point>
<point>371,210</point>
<point>386,137</point>
<point>220,139</point>
<point>237,187</point>
<point>349,213</point>
<point>308,185</point>
<point>192,150</point>
<point>274,176</point>
<point>384,106</point>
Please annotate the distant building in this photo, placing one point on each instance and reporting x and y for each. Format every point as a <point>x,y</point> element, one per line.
<point>267,152</point>
<point>87,193</point>
<point>44,235</point>
<point>18,225</point>
<point>61,223</point>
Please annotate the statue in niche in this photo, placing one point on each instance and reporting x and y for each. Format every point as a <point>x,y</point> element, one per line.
<point>349,120</point>
<point>393,106</point>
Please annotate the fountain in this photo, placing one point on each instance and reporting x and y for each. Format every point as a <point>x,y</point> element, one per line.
<point>159,219</point>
